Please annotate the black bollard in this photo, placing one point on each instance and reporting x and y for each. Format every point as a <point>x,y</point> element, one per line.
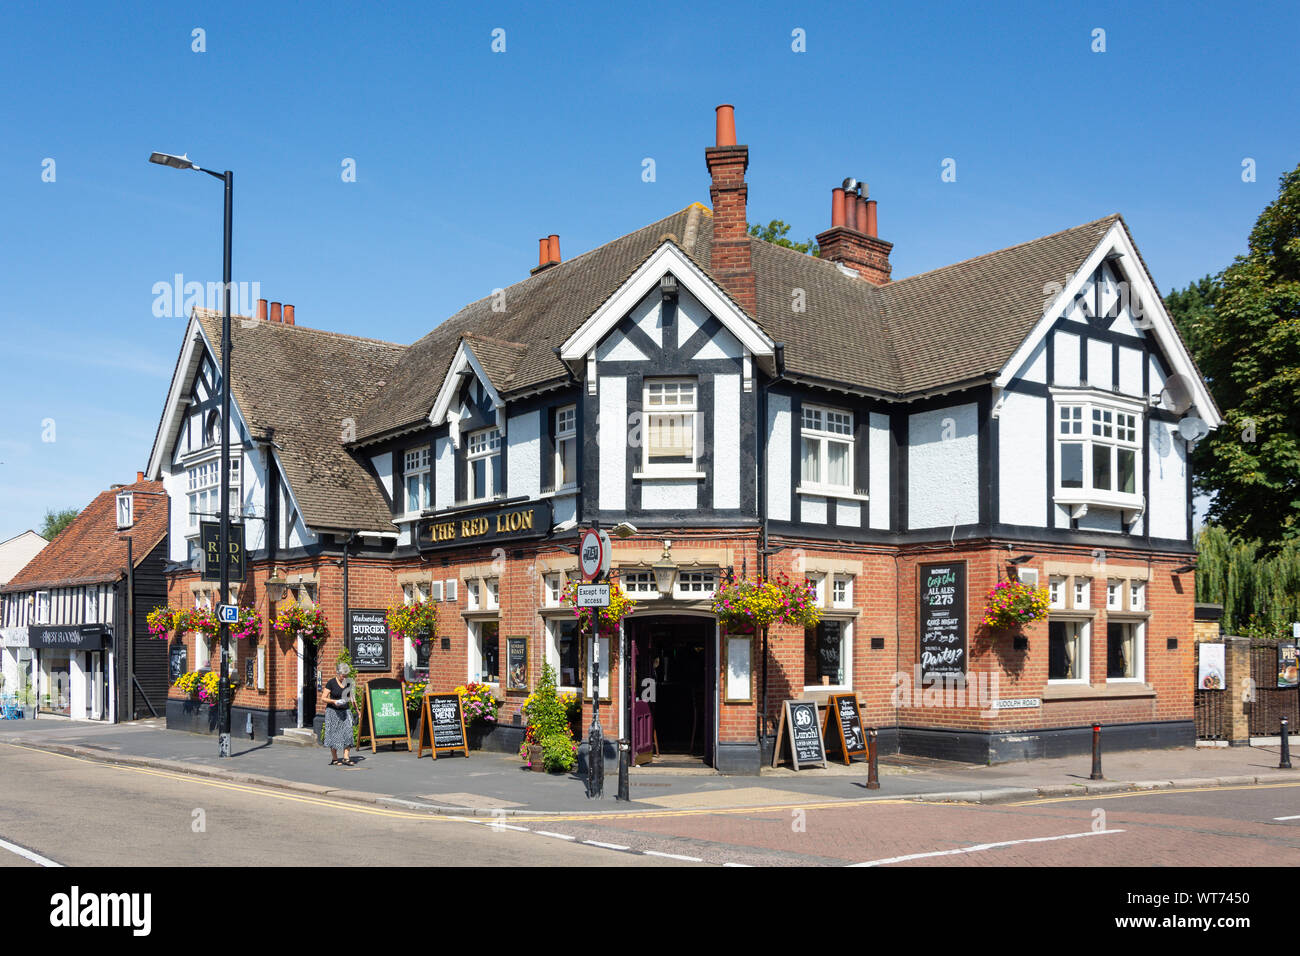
<point>624,755</point>
<point>1285,763</point>
<point>873,777</point>
<point>1096,752</point>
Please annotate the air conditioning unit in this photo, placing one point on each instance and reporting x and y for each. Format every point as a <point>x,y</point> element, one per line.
<point>435,591</point>
<point>449,592</point>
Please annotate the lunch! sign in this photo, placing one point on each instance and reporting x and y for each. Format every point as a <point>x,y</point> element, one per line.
<point>488,525</point>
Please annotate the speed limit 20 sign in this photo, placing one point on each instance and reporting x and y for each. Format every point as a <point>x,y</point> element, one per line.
<point>593,553</point>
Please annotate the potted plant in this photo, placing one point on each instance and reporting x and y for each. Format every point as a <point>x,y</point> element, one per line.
<point>417,622</point>
<point>620,606</point>
<point>162,621</point>
<point>249,626</point>
<point>1010,605</point>
<point>744,606</point>
<point>548,743</point>
<point>479,708</point>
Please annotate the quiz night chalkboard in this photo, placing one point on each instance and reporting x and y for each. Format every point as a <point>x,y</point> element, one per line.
<point>442,725</point>
<point>801,729</point>
<point>844,726</point>
<point>942,620</point>
<point>385,718</point>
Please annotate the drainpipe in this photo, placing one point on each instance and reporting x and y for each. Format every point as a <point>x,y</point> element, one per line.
<point>763,533</point>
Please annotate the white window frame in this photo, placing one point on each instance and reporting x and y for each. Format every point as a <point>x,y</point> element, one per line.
<point>688,410</point>
<point>1114,594</point>
<point>821,433</point>
<point>1080,593</point>
<point>492,593</point>
<point>1137,594</point>
<point>640,584</point>
<point>552,589</point>
<point>475,670</point>
<point>490,453</point>
<point>1084,653</point>
<point>1086,430</point>
<point>412,593</point>
<point>43,608</point>
<point>818,581</point>
<point>695,585</point>
<point>417,464</point>
<point>473,595</point>
<point>566,433</point>
<point>842,582</point>
<point>1139,646</point>
<point>846,656</point>
<point>553,627</point>
<point>1056,591</point>
<point>203,490</point>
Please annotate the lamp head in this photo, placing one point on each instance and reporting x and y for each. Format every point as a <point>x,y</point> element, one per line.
<point>175,162</point>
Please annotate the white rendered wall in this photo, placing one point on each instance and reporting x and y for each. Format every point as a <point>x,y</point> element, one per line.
<point>943,467</point>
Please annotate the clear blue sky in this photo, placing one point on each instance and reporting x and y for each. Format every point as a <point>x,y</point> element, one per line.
<point>464,157</point>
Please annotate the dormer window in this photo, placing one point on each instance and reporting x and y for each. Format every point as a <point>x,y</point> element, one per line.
<point>1098,453</point>
<point>483,461</point>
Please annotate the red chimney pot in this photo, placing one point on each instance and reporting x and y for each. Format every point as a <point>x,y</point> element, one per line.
<point>275,311</point>
<point>726,128</point>
<point>870,229</point>
<point>288,315</point>
<point>850,211</point>
<point>543,251</point>
<point>862,214</point>
<point>261,309</point>
<point>837,207</point>
<point>553,247</point>
<point>139,476</point>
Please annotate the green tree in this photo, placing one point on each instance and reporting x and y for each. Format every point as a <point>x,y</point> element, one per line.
<point>774,232</point>
<point>56,521</point>
<point>1245,336</point>
<point>1192,310</point>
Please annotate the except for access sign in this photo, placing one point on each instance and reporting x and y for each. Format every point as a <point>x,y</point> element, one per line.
<point>593,595</point>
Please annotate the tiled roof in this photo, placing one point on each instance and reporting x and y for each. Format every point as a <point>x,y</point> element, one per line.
<point>91,550</point>
<point>947,326</point>
<point>307,387</point>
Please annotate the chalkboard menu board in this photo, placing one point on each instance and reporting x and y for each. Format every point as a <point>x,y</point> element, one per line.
<point>844,725</point>
<point>177,660</point>
<point>517,663</point>
<point>368,640</point>
<point>801,729</point>
<point>942,589</point>
<point>443,725</point>
<point>385,716</point>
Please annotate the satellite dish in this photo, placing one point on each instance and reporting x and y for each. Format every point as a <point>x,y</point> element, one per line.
<point>1177,393</point>
<point>1193,428</point>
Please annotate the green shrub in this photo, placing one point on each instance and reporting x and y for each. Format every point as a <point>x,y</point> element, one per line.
<point>559,753</point>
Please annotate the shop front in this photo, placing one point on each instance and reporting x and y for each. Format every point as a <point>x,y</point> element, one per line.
<point>72,664</point>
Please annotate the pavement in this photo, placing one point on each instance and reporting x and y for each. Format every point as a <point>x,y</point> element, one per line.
<point>496,785</point>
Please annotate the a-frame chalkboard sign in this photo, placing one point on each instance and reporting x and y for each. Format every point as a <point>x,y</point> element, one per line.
<point>799,722</point>
<point>442,726</point>
<point>384,718</point>
<point>842,729</point>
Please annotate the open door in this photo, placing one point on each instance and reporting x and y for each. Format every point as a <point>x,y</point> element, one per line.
<point>643,721</point>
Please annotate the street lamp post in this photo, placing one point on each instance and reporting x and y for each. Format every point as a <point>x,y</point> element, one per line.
<point>223,693</point>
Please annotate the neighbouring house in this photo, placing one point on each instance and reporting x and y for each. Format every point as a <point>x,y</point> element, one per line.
<point>902,445</point>
<point>73,619</point>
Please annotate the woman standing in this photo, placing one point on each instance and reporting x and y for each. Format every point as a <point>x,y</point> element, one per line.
<point>338,716</point>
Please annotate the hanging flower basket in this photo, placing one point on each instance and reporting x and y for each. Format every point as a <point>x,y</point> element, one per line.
<point>744,606</point>
<point>199,619</point>
<point>1011,605</point>
<point>305,622</point>
<point>249,626</point>
<point>620,606</point>
<point>417,622</point>
<point>162,621</point>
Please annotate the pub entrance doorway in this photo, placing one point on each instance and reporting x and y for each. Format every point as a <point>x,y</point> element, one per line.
<point>675,679</point>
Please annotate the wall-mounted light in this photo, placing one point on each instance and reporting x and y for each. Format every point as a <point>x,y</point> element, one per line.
<point>665,572</point>
<point>276,586</point>
<point>1184,568</point>
<point>1022,559</point>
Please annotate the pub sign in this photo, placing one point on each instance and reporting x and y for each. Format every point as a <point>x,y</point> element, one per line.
<point>485,526</point>
<point>210,542</point>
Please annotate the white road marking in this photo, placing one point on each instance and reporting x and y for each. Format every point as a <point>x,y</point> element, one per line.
<point>1287,818</point>
<point>607,846</point>
<point>985,846</point>
<point>735,864</point>
<point>558,836</point>
<point>674,856</point>
<point>28,854</point>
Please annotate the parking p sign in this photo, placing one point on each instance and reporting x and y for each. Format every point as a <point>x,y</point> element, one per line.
<point>228,613</point>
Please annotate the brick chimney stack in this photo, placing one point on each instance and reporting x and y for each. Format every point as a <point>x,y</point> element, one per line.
<point>730,259</point>
<point>851,240</point>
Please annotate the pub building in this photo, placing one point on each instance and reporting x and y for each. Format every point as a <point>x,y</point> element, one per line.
<point>735,408</point>
<point>72,621</point>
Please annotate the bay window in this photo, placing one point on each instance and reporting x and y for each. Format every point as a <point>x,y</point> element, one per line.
<point>827,449</point>
<point>670,411</point>
<point>416,473</point>
<point>204,493</point>
<point>1098,453</point>
<point>483,460</point>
